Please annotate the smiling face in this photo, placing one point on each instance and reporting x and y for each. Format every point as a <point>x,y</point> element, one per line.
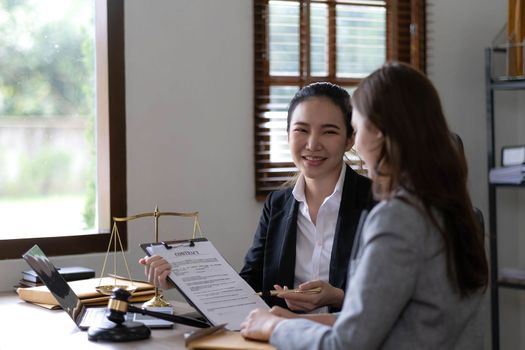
<point>318,139</point>
<point>368,140</point>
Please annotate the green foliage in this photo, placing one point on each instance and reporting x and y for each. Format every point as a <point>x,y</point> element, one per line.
<point>89,213</point>
<point>42,174</point>
<point>45,64</point>
<point>47,71</point>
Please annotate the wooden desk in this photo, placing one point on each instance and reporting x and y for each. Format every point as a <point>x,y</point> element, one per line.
<point>27,326</point>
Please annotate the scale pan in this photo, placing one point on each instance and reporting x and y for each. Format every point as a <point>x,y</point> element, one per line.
<point>108,289</point>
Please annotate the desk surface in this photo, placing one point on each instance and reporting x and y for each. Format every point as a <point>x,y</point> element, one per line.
<point>25,326</point>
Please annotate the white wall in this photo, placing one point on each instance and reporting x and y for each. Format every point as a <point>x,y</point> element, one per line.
<point>459,32</point>
<point>189,83</point>
<point>189,121</point>
<point>189,88</point>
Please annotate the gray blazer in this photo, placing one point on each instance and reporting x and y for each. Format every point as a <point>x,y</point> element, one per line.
<point>399,295</point>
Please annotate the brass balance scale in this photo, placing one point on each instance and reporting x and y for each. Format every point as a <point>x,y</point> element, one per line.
<point>158,300</point>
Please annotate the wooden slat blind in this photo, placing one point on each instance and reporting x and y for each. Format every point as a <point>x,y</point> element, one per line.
<point>406,32</point>
<point>361,34</point>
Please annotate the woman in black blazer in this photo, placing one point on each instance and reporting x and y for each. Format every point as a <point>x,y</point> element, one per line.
<point>319,133</point>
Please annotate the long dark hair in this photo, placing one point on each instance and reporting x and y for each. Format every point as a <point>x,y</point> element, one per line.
<point>423,159</point>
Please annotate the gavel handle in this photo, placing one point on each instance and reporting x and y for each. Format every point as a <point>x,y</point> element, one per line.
<point>172,318</point>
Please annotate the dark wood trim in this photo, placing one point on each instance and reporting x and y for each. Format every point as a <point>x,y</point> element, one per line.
<point>82,244</point>
<point>304,41</point>
<point>403,18</point>
<point>261,92</point>
<point>391,30</point>
<point>332,41</point>
<point>286,81</point>
<point>117,113</point>
<point>52,246</point>
<point>418,34</point>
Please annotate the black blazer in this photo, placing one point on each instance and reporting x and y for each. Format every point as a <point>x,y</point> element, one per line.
<point>271,258</point>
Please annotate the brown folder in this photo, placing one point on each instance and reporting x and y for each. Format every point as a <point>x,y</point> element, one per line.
<point>228,340</point>
<point>86,291</point>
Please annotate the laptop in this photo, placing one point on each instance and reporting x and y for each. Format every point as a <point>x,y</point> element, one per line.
<point>83,316</point>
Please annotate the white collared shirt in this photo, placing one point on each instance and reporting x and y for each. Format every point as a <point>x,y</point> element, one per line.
<point>314,242</point>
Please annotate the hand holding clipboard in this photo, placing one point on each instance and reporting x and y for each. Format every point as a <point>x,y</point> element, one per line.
<point>207,281</point>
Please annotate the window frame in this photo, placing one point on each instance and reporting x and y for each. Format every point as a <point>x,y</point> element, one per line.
<point>97,242</point>
<point>406,42</point>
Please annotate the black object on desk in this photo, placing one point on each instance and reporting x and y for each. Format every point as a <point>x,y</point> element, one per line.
<point>119,330</point>
<point>70,273</point>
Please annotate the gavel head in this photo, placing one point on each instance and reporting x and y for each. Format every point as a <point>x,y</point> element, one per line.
<point>118,305</point>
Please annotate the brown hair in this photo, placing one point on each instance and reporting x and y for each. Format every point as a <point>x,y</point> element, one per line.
<point>423,159</point>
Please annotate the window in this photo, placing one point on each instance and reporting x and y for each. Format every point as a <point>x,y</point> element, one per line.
<point>297,42</point>
<point>62,125</point>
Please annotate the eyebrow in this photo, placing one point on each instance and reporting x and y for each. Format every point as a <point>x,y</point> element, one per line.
<point>324,126</point>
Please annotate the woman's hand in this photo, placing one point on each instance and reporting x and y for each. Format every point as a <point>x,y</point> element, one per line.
<point>282,312</point>
<point>157,270</point>
<point>328,296</point>
<point>259,325</point>
<point>326,319</point>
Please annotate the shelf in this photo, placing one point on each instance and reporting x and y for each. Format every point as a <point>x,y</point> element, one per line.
<point>507,84</point>
<point>508,185</point>
<point>512,278</point>
<point>513,284</point>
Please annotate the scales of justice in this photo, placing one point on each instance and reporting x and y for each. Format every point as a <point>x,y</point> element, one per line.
<point>158,300</point>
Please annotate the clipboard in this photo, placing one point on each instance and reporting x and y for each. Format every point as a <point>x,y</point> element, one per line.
<point>207,281</point>
<point>168,245</point>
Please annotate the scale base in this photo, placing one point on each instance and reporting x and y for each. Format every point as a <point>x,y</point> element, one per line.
<point>156,301</point>
<point>111,332</point>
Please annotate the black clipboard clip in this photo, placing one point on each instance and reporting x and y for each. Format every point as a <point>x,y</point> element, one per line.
<point>168,246</point>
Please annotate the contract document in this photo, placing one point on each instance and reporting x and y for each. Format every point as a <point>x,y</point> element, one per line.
<point>207,281</point>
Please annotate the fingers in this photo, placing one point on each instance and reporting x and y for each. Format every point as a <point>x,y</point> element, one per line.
<point>278,287</point>
<point>301,306</point>
<point>259,325</point>
<point>297,296</point>
<point>163,279</point>
<point>277,311</point>
<point>328,296</point>
<point>303,301</point>
<point>148,260</point>
<point>156,270</point>
<point>312,284</point>
<point>281,312</point>
<point>295,301</point>
<point>248,328</point>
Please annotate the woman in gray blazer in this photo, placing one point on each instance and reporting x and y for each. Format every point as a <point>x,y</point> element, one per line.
<point>418,269</point>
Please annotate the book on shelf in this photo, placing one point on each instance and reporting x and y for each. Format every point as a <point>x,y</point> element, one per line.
<point>25,283</point>
<point>512,274</point>
<point>508,175</point>
<point>70,273</point>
